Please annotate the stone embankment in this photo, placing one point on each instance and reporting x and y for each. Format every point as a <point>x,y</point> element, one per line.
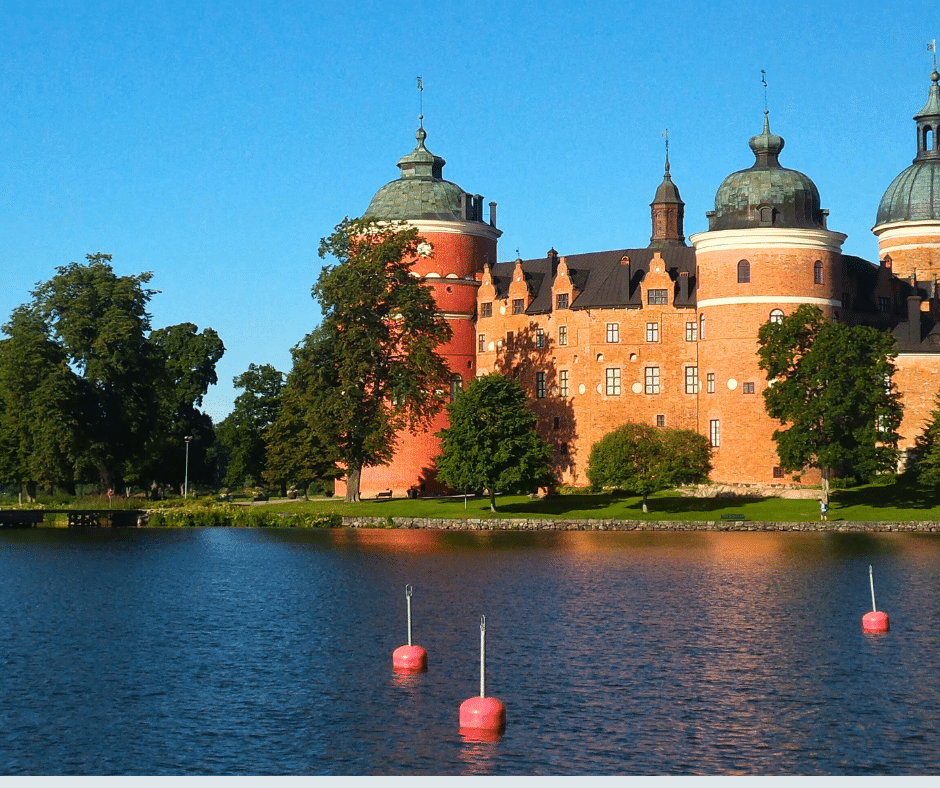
<point>634,525</point>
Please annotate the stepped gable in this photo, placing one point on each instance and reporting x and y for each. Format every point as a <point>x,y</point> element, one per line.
<point>602,278</point>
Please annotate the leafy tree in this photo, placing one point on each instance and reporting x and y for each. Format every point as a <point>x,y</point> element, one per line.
<point>374,369</point>
<point>242,432</point>
<point>295,453</point>
<point>645,459</point>
<point>923,460</point>
<point>832,385</point>
<point>491,441</point>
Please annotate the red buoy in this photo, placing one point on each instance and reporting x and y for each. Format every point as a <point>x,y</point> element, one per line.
<point>409,659</point>
<point>482,718</point>
<point>877,620</point>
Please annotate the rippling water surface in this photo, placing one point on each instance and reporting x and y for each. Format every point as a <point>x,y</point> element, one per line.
<point>232,651</point>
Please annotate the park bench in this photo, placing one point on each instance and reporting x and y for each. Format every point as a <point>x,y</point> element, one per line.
<point>384,494</point>
<point>732,517</point>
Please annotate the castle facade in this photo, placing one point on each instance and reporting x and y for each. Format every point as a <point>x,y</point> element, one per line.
<point>666,334</point>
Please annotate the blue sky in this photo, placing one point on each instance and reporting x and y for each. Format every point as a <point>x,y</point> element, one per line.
<point>215,143</point>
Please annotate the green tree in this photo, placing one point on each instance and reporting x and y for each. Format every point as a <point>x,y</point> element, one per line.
<point>831,384</point>
<point>242,432</point>
<point>491,441</point>
<point>295,453</point>
<point>374,369</point>
<point>923,459</point>
<point>645,460</point>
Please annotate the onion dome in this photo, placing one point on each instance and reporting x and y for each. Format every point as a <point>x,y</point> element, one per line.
<point>421,192</point>
<point>767,195</point>
<point>915,194</point>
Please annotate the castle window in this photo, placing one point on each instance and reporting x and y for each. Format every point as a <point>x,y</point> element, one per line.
<point>747,388</point>
<point>710,383</point>
<point>509,337</point>
<point>817,273</point>
<point>714,432</point>
<point>613,332</point>
<point>701,326</point>
<point>778,472</point>
<point>563,449</point>
<point>561,301</point>
<point>884,304</point>
<point>563,336</point>
<point>518,306</point>
<point>657,297</point>
<point>776,316</point>
<point>556,423</point>
<point>652,332</point>
<point>540,385</point>
<point>563,382</point>
<point>691,380</point>
<point>539,338</point>
<point>691,331</point>
<point>744,271</point>
<point>661,420</point>
<point>613,382</point>
<point>456,386</point>
<point>486,309</point>
<point>481,343</point>
<point>651,380</point>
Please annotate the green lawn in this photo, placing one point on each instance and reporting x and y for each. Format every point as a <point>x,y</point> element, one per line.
<point>868,503</point>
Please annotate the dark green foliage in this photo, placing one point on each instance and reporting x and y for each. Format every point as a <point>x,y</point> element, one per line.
<point>372,368</point>
<point>831,384</point>
<point>641,459</point>
<point>239,517</point>
<point>923,460</point>
<point>242,433</point>
<point>491,442</point>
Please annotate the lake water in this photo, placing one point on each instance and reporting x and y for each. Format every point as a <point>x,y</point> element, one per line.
<point>234,651</point>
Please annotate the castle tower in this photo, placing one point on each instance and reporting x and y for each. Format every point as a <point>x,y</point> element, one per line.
<point>766,252</point>
<point>908,223</point>
<point>668,211</point>
<point>457,244</point>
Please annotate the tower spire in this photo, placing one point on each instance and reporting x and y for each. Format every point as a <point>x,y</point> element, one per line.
<point>420,103</point>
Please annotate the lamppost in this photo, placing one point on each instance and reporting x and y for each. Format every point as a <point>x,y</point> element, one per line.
<point>188,438</point>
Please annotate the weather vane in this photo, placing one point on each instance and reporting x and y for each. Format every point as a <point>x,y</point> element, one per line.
<point>421,102</point>
<point>763,79</point>
<point>932,47</point>
<point>666,137</point>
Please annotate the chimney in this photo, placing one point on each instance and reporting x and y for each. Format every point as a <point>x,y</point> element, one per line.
<point>492,213</point>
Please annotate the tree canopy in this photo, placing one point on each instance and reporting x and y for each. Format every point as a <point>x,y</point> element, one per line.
<point>831,385</point>
<point>491,442</point>
<point>86,390</point>
<point>373,368</point>
<point>643,459</point>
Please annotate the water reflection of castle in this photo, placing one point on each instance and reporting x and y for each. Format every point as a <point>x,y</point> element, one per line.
<point>666,334</point>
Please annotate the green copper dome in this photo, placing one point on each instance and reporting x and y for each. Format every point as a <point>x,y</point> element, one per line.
<point>915,194</point>
<point>420,192</point>
<point>766,194</point>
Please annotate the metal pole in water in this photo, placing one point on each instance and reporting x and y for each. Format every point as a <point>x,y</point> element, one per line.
<point>482,656</point>
<point>871,579</point>
<point>408,590</point>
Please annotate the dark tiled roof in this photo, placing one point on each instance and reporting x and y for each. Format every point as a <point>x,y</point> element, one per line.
<point>603,280</point>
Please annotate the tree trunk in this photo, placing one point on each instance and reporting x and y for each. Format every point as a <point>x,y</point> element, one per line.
<point>352,485</point>
<point>493,500</point>
<point>31,492</point>
<point>824,498</point>
<point>645,509</point>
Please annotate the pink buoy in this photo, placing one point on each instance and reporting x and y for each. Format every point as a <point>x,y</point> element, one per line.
<point>482,718</point>
<point>877,620</point>
<point>410,658</point>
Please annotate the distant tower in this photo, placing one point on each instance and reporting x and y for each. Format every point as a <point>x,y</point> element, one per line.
<point>908,223</point>
<point>457,244</point>
<point>766,252</point>
<point>667,211</point>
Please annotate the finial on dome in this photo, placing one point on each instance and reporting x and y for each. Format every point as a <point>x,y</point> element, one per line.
<point>420,103</point>
<point>932,47</point>
<point>666,136</point>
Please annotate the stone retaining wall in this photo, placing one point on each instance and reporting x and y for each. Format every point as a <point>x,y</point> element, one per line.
<point>635,525</point>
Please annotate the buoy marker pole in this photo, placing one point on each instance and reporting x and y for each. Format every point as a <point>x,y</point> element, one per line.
<point>871,579</point>
<point>408,591</point>
<point>482,656</point>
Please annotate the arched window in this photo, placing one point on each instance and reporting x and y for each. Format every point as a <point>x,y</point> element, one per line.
<point>817,273</point>
<point>456,386</point>
<point>776,316</point>
<point>701,326</point>
<point>744,271</point>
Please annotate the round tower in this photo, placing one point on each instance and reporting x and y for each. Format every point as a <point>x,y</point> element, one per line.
<point>457,244</point>
<point>908,223</point>
<point>766,252</point>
